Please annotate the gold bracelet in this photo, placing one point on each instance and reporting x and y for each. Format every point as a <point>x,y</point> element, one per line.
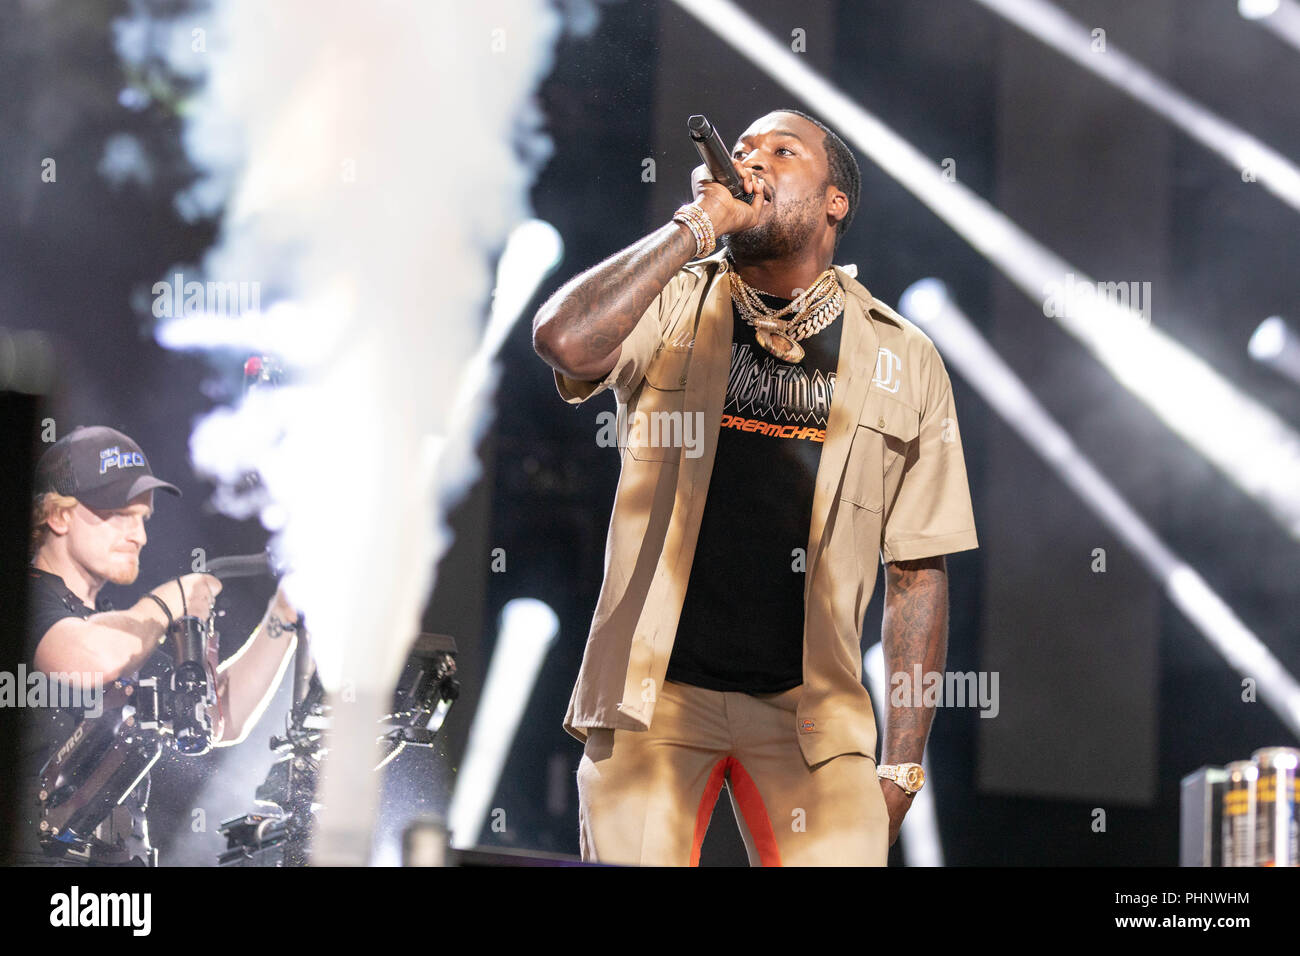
<point>697,213</point>
<point>701,239</point>
<point>698,222</point>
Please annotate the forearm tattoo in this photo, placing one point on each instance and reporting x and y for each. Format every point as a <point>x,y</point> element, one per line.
<point>914,632</point>
<point>276,628</point>
<point>598,309</point>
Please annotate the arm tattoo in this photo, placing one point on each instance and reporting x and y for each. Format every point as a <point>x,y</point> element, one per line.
<point>276,627</point>
<point>591,314</point>
<point>914,632</point>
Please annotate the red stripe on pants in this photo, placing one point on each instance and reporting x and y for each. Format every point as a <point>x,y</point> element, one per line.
<point>705,812</point>
<point>751,808</point>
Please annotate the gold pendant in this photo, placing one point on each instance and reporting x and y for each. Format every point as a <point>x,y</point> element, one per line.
<point>784,348</point>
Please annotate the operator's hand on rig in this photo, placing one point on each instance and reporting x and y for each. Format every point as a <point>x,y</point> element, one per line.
<point>190,595</point>
<point>728,213</point>
<point>192,700</point>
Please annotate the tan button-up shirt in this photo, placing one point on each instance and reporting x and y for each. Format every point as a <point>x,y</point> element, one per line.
<point>891,484</point>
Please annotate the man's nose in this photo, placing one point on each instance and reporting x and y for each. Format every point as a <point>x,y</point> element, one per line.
<point>137,534</point>
<point>750,159</point>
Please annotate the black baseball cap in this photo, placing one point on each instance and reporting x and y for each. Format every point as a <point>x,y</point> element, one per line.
<point>99,466</point>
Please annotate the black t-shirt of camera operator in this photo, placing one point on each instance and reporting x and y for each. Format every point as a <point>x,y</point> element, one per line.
<point>45,728</point>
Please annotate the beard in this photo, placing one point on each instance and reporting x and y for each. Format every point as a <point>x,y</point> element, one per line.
<point>123,571</point>
<point>787,232</point>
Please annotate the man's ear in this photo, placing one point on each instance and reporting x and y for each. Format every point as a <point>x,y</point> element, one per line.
<point>837,203</point>
<point>60,522</point>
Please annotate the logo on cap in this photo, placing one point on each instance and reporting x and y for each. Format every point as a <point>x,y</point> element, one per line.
<point>113,458</point>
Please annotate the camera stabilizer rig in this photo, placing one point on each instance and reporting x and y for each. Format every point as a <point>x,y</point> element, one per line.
<point>107,756</point>
<point>281,835</point>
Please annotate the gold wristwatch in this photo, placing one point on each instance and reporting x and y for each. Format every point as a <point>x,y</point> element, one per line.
<point>909,776</point>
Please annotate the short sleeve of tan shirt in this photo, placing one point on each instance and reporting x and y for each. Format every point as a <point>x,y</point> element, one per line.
<point>931,513</point>
<point>638,349</point>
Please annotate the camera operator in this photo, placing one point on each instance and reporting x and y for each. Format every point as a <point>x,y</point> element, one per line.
<point>93,495</point>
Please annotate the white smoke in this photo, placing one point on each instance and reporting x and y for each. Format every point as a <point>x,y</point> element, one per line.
<point>372,159</point>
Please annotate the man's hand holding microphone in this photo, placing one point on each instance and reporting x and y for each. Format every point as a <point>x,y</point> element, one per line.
<point>727,213</point>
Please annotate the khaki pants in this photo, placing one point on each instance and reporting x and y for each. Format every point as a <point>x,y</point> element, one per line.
<point>645,798</point>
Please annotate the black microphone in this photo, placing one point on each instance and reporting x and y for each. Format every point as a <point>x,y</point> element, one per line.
<point>706,139</point>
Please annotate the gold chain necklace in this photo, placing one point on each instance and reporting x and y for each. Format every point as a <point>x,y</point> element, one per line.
<point>821,303</point>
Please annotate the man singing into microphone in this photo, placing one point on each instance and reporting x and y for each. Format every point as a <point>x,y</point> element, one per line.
<point>726,643</point>
<point>94,493</point>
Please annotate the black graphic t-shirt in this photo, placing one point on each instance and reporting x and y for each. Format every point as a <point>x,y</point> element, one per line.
<point>741,627</point>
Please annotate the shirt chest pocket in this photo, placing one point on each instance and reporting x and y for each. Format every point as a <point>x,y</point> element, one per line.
<point>880,444</point>
<point>655,425</point>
